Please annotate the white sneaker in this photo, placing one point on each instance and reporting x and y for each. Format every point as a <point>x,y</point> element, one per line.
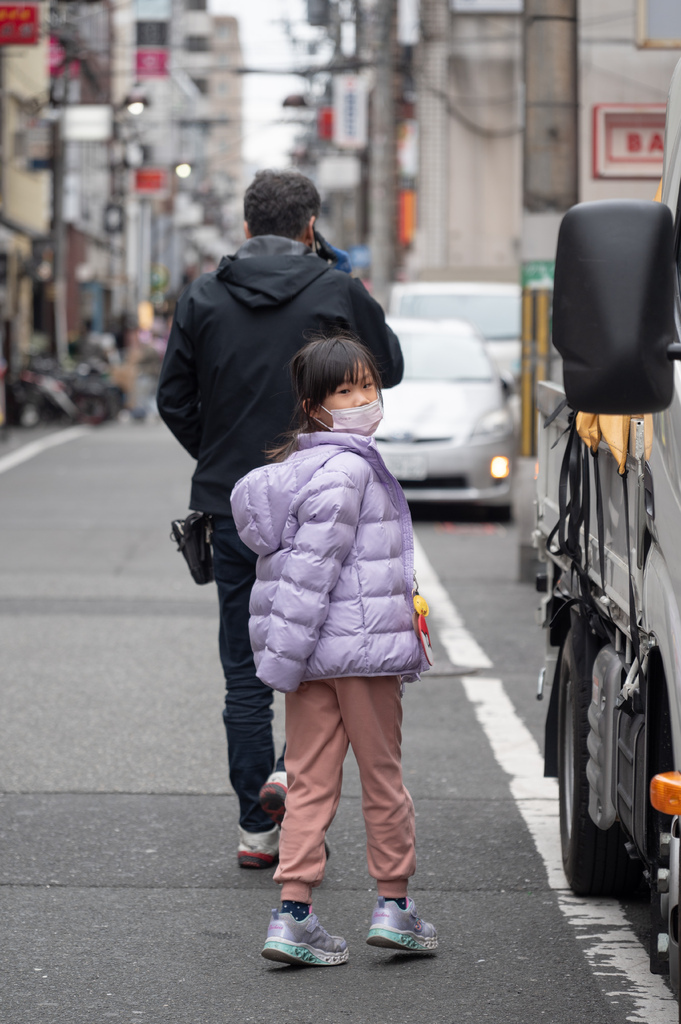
<point>258,849</point>
<point>273,796</point>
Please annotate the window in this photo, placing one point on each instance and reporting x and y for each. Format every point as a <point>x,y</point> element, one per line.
<point>196,5</point>
<point>222,29</point>
<point>196,44</point>
<point>439,357</point>
<point>202,85</point>
<point>152,33</point>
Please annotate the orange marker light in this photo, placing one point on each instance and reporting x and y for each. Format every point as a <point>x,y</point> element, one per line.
<point>665,792</point>
<point>499,467</point>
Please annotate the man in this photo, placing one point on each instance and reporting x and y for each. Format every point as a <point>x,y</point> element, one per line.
<point>225,393</point>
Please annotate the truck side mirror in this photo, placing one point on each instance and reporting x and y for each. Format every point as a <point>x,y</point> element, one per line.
<point>613,306</point>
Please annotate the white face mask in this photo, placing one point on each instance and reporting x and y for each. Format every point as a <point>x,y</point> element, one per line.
<point>362,419</point>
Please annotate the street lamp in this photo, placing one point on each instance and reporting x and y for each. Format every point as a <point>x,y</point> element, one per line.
<point>136,101</point>
<point>183,170</point>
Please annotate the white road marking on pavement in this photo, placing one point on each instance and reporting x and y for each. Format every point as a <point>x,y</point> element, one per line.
<point>29,451</point>
<point>462,650</point>
<point>610,946</point>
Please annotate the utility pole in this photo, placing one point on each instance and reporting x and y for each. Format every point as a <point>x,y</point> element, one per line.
<point>383,153</point>
<point>550,188</point>
<point>59,233</point>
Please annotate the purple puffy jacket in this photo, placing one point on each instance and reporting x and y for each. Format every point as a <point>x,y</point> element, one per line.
<point>335,573</point>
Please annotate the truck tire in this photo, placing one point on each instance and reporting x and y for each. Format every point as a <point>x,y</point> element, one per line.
<point>595,861</point>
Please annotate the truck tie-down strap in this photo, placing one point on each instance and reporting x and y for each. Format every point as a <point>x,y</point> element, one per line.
<point>574,511</point>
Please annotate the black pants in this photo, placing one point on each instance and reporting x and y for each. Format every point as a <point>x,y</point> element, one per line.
<point>248,702</point>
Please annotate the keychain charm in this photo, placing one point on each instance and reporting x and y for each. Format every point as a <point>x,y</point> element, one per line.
<point>421,609</point>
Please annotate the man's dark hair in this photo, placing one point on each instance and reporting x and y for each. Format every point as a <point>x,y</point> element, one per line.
<point>280,203</point>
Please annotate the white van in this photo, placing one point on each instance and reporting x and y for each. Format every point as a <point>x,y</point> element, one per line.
<point>494,308</point>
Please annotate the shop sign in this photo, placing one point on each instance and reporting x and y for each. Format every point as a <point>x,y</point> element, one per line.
<point>152,63</point>
<point>56,56</point>
<point>151,181</point>
<point>38,141</point>
<point>325,123</point>
<point>406,215</point>
<point>408,148</point>
<point>628,140</point>
<point>350,110</point>
<point>339,171</point>
<point>538,274</point>
<point>19,25</point>
<point>87,122</point>
<point>360,256</point>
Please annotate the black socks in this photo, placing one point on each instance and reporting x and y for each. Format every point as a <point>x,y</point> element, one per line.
<point>298,911</point>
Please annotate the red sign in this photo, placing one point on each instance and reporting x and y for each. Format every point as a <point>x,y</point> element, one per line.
<point>56,58</point>
<point>151,181</point>
<point>152,63</point>
<point>18,24</point>
<point>628,140</point>
<point>325,123</point>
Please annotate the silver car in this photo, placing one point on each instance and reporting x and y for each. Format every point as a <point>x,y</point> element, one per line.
<point>447,433</point>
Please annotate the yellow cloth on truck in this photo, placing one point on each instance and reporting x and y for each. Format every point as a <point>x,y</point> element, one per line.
<point>614,430</point>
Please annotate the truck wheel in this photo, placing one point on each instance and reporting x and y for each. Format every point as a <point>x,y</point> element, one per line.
<point>595,861</point>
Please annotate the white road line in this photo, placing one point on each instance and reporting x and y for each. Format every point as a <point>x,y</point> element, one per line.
<point>462,650</point>
<point>29,451</point>
<point>618,960</point>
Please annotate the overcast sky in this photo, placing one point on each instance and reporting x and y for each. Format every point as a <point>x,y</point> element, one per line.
<point>264,43</point>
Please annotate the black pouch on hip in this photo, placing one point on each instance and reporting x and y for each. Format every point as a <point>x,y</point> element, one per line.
<point>192,536</point>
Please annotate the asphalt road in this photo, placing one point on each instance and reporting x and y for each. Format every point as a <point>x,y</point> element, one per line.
<point>120,895</point>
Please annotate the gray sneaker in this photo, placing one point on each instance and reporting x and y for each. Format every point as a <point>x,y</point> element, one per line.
<point>304,943</point>
<point>393,928</point>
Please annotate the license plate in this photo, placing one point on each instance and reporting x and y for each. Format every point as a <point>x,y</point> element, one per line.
<point>407,467</point>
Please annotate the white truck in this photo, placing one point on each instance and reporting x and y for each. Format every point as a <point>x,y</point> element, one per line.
<point>611,544</point>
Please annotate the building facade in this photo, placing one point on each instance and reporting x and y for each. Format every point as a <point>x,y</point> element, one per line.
<point>469,80</point>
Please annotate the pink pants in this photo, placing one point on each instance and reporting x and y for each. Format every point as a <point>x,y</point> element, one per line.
<point>322,718</point>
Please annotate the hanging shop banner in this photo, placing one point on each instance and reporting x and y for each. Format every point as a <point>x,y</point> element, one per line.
<point>19,24</point>
<point>628,140</point>
<point>350,102</point>
<point>406,215</point>
<point>152,63</point>
<point>56,58</point>
<point>325,123</point>
<point>408,148</point>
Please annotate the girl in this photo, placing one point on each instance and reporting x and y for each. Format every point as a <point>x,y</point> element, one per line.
<point>331,626</point>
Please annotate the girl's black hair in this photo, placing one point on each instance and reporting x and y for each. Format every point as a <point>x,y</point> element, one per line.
<point>332,357</point>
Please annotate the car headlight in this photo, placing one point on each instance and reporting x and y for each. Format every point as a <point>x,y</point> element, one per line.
<point>493,423</point>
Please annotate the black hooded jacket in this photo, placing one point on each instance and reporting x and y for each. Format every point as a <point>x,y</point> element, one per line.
<point>225,389</point>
